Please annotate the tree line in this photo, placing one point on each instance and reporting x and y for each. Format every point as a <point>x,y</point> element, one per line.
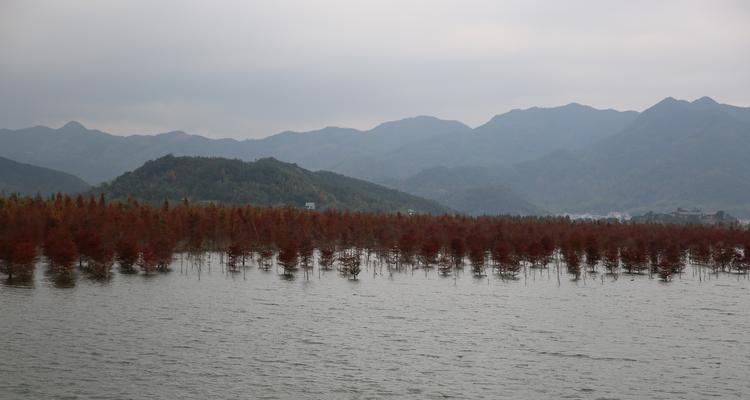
<point>94,235</point>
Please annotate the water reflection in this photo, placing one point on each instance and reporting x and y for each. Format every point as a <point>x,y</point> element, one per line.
<point>63,281</point>
<point>206,331</point>
<point>22,281</point>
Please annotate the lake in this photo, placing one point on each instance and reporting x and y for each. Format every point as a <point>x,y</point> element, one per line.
<point>409,334</point>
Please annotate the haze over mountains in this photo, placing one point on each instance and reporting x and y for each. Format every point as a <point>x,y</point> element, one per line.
<point>572,158</point>
<point>674,154</point>
<point>395,149</point>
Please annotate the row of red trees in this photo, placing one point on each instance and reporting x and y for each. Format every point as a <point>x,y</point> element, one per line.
<point>93,234</point>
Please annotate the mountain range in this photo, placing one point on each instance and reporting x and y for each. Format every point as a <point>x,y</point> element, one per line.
<point>572,158</point>
<point>395,149</point>
<point>674,154</point>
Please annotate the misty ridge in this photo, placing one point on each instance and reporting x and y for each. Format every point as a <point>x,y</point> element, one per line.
<point>572,158</point>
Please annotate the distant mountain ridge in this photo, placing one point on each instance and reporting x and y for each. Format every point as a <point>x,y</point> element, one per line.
<point>30,180</point>
<point>674,154</point>
<point>568,158</point>
<point>97,156</point>
<point>395,149</point>
<point>265,182</point>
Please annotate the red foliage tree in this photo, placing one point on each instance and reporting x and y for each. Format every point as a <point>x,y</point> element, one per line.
<point>60,250</point>
<point>593,252</point>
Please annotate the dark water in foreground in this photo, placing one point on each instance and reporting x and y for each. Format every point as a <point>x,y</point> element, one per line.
<point>420,335</point>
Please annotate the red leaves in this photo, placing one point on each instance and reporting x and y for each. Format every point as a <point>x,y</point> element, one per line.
<point>457,250</point>
<point>148,260</point>
<point>671,263</point>
<point>96,233</point>
<point>592,250</point>
<point>634,257</point>
<point>60,249</point>
<point>127,251</point>
<point>428,251</point>
<point>22,259</point>
<point>289,256</point>
<point>351,261</point>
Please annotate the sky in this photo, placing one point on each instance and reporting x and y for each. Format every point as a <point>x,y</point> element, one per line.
<point>248,68</point>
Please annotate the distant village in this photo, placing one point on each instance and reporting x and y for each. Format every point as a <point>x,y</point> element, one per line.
<point>684,216</point>
<point>693,216</point>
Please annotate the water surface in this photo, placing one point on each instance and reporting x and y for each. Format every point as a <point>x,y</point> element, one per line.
<point>412,334</point>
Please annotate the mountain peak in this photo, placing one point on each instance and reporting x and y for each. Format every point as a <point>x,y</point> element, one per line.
<point>73,125</point>
<point>671,104</point>
<point>668,104</point>
<point>175,134</point>
<point>705,101</point>
<point>670,100</point>
<point>421,125</point>
<point>418,119</point>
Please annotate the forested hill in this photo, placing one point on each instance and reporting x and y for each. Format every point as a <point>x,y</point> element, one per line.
<point>266,182</point>
<point>29,179</point>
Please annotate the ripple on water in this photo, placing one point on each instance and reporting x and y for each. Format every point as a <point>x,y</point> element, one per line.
<point>403,335</point>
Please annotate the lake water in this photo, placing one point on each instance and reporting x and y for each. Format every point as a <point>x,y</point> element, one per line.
<point>184,335</point>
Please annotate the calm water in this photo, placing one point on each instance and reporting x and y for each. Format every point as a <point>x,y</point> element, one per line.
<point>416,335</point>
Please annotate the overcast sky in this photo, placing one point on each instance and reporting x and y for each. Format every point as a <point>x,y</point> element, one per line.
<point>254,68</point>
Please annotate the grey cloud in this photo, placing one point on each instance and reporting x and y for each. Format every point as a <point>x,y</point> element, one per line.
<point>253,68</point>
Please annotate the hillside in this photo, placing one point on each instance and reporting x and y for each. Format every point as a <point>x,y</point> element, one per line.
<point>473,190</point>
<point>675,154</point>
<point>266,182</point>
<point>28,179</point>
<point>509,138</point>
